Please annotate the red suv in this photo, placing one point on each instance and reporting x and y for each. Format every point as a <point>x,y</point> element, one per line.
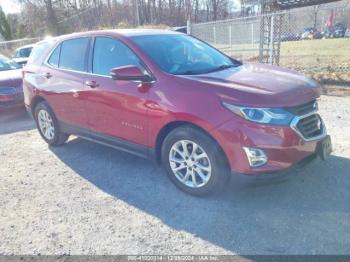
<point>171,97</point>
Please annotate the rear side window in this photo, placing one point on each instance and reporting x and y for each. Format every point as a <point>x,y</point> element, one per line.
<point>110,53</point>
<point>37,53</point>
<point>55,57</point>
<point>73,54</point>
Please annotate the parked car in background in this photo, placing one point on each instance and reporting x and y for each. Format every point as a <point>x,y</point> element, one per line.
<point>11,91</point>
<point>181,29</point>
<point>336,31</point>
<point>347,33</point>
<point>310,33</point>
<point>173,98</point>
<point>21,54</point>
<point>290,37</point>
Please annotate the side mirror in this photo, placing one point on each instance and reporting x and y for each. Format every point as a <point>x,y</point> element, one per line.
<point>129,73</point>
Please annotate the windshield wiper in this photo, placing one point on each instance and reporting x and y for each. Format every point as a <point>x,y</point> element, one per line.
<point>188,72</point>
<point>222,67</point>
<point>219,68</point>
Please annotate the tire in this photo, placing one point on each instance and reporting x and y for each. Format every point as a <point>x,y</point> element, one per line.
<point>212,165</point>
<point>55,137</point>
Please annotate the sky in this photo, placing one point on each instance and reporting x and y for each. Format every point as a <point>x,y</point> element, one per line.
<point>10,6</point>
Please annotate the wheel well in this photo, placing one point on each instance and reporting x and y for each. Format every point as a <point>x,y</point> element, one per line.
<point>36,100</point>
<point>170,127</point>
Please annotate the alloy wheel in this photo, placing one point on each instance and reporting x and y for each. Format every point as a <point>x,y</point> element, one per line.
<point>46,125</point>
<point>190,163</point>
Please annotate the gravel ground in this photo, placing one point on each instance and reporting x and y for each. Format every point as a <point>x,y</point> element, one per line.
<point>84,198</point>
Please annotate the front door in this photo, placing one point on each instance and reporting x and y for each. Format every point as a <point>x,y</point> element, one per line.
<point>114,107</point>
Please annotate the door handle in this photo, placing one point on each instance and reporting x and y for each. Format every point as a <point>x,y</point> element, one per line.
<point>91,84</point>
<point>47,75</point>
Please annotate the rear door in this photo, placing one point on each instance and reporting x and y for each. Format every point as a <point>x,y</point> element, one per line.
<point>63,80</point>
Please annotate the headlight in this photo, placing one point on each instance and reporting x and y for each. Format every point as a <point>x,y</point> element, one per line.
<point>273,116</point>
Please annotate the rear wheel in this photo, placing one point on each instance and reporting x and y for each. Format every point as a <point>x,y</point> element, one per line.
<point>47,125</point>
<point>194,161</point>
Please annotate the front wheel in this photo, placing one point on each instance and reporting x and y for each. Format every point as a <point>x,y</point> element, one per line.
<point>47,125</point>
<point>194,161</point>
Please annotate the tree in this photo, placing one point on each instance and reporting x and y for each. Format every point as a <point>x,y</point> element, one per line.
<point>50,13</point>
<point>5,29</point>
<point>51,18</point>
<point>39,17</point>
<point>218,8</point>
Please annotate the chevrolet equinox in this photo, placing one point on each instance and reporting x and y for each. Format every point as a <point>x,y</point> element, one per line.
<point>173,98</point>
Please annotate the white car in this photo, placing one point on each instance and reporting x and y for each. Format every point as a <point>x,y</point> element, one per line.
<point>347,33</point>
<point>22,54</point>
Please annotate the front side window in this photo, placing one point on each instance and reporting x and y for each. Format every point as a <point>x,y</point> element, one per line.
<point>180,54</point>
<point>110,53</point>
<point>73,54</point>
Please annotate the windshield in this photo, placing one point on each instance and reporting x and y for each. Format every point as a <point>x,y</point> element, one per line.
<point>182,54</point>
<point>8,64</point>
<point>24,52</point>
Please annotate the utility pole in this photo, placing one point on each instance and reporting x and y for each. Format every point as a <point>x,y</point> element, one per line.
<point>188,9</point>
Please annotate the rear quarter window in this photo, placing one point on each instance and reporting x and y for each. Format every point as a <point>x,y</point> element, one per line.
<point>36,56</point>
<point>55,57</point>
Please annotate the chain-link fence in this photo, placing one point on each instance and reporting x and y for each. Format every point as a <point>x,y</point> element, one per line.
<point>237,37</point>
<point>8,48</point>
<point>315,40</point>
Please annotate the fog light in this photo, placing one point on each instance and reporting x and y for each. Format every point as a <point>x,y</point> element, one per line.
<point>256,157</point>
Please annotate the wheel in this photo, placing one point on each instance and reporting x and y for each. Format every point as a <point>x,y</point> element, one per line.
<point>47,125</point>
<point>194,161</point>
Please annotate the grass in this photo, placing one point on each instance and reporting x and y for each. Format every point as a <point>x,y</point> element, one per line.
<point>329,55</point>
<point>326,60</point>
<point>301,54</point>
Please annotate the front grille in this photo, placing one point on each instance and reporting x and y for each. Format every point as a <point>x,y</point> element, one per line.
<point>303,109</point>
<point>310,126</point>
<point>7,91</point>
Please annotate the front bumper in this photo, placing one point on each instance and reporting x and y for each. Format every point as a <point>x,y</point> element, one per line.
<point>10,100</point>
<point>281,175</point>
<point>282,145</point>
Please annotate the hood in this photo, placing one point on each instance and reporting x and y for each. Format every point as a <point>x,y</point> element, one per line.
<point>260,85</point>
<point>11,78</point>
<point>20,60</point>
